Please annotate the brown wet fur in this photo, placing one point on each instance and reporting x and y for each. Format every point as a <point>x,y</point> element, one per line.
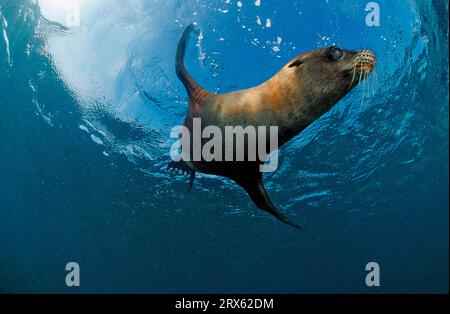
<point>292,99</point>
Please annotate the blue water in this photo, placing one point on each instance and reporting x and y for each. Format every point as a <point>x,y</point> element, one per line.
<point>85,116</point>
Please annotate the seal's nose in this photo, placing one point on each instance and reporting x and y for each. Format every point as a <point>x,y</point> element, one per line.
<point>367,57</point>
<point>366,60</point>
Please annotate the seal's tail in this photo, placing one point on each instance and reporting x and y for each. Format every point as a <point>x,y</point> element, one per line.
<point>194,90</point>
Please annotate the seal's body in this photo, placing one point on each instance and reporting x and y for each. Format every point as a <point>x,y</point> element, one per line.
<point>302,91</point>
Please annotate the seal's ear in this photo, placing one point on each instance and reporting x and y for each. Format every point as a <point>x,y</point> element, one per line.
<point>297,63</point>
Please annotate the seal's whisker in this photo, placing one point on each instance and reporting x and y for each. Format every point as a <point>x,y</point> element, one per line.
<point>365,86</point>
<point>369,86</point>
<point>372,85</point>
<point>362,92</point>
<point>370,91</point>
<point>375,80</point>
<point>360,77</point>
<point>354,74</point>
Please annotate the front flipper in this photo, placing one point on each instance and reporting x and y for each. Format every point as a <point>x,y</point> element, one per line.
<point>178,166</point>
<point>259,196</point>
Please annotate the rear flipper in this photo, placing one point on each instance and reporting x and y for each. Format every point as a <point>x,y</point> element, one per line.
<point>181,166</point>
<point>259,196</point>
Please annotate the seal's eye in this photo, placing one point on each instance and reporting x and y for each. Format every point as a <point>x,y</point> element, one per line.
<point>336,53</point>
<point>296,63</point>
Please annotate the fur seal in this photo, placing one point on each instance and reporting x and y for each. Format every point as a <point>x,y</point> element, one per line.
<point>302,91</point>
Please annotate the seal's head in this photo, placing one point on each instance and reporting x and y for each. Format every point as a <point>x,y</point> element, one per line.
<point>332,72</point>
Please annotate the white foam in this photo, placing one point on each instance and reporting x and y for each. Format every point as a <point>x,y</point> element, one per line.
<point>5,37</point>
<point>84,128</point>
<point>96,139</point>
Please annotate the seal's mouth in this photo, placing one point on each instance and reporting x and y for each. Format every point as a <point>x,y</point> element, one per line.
<point>362,65</point>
